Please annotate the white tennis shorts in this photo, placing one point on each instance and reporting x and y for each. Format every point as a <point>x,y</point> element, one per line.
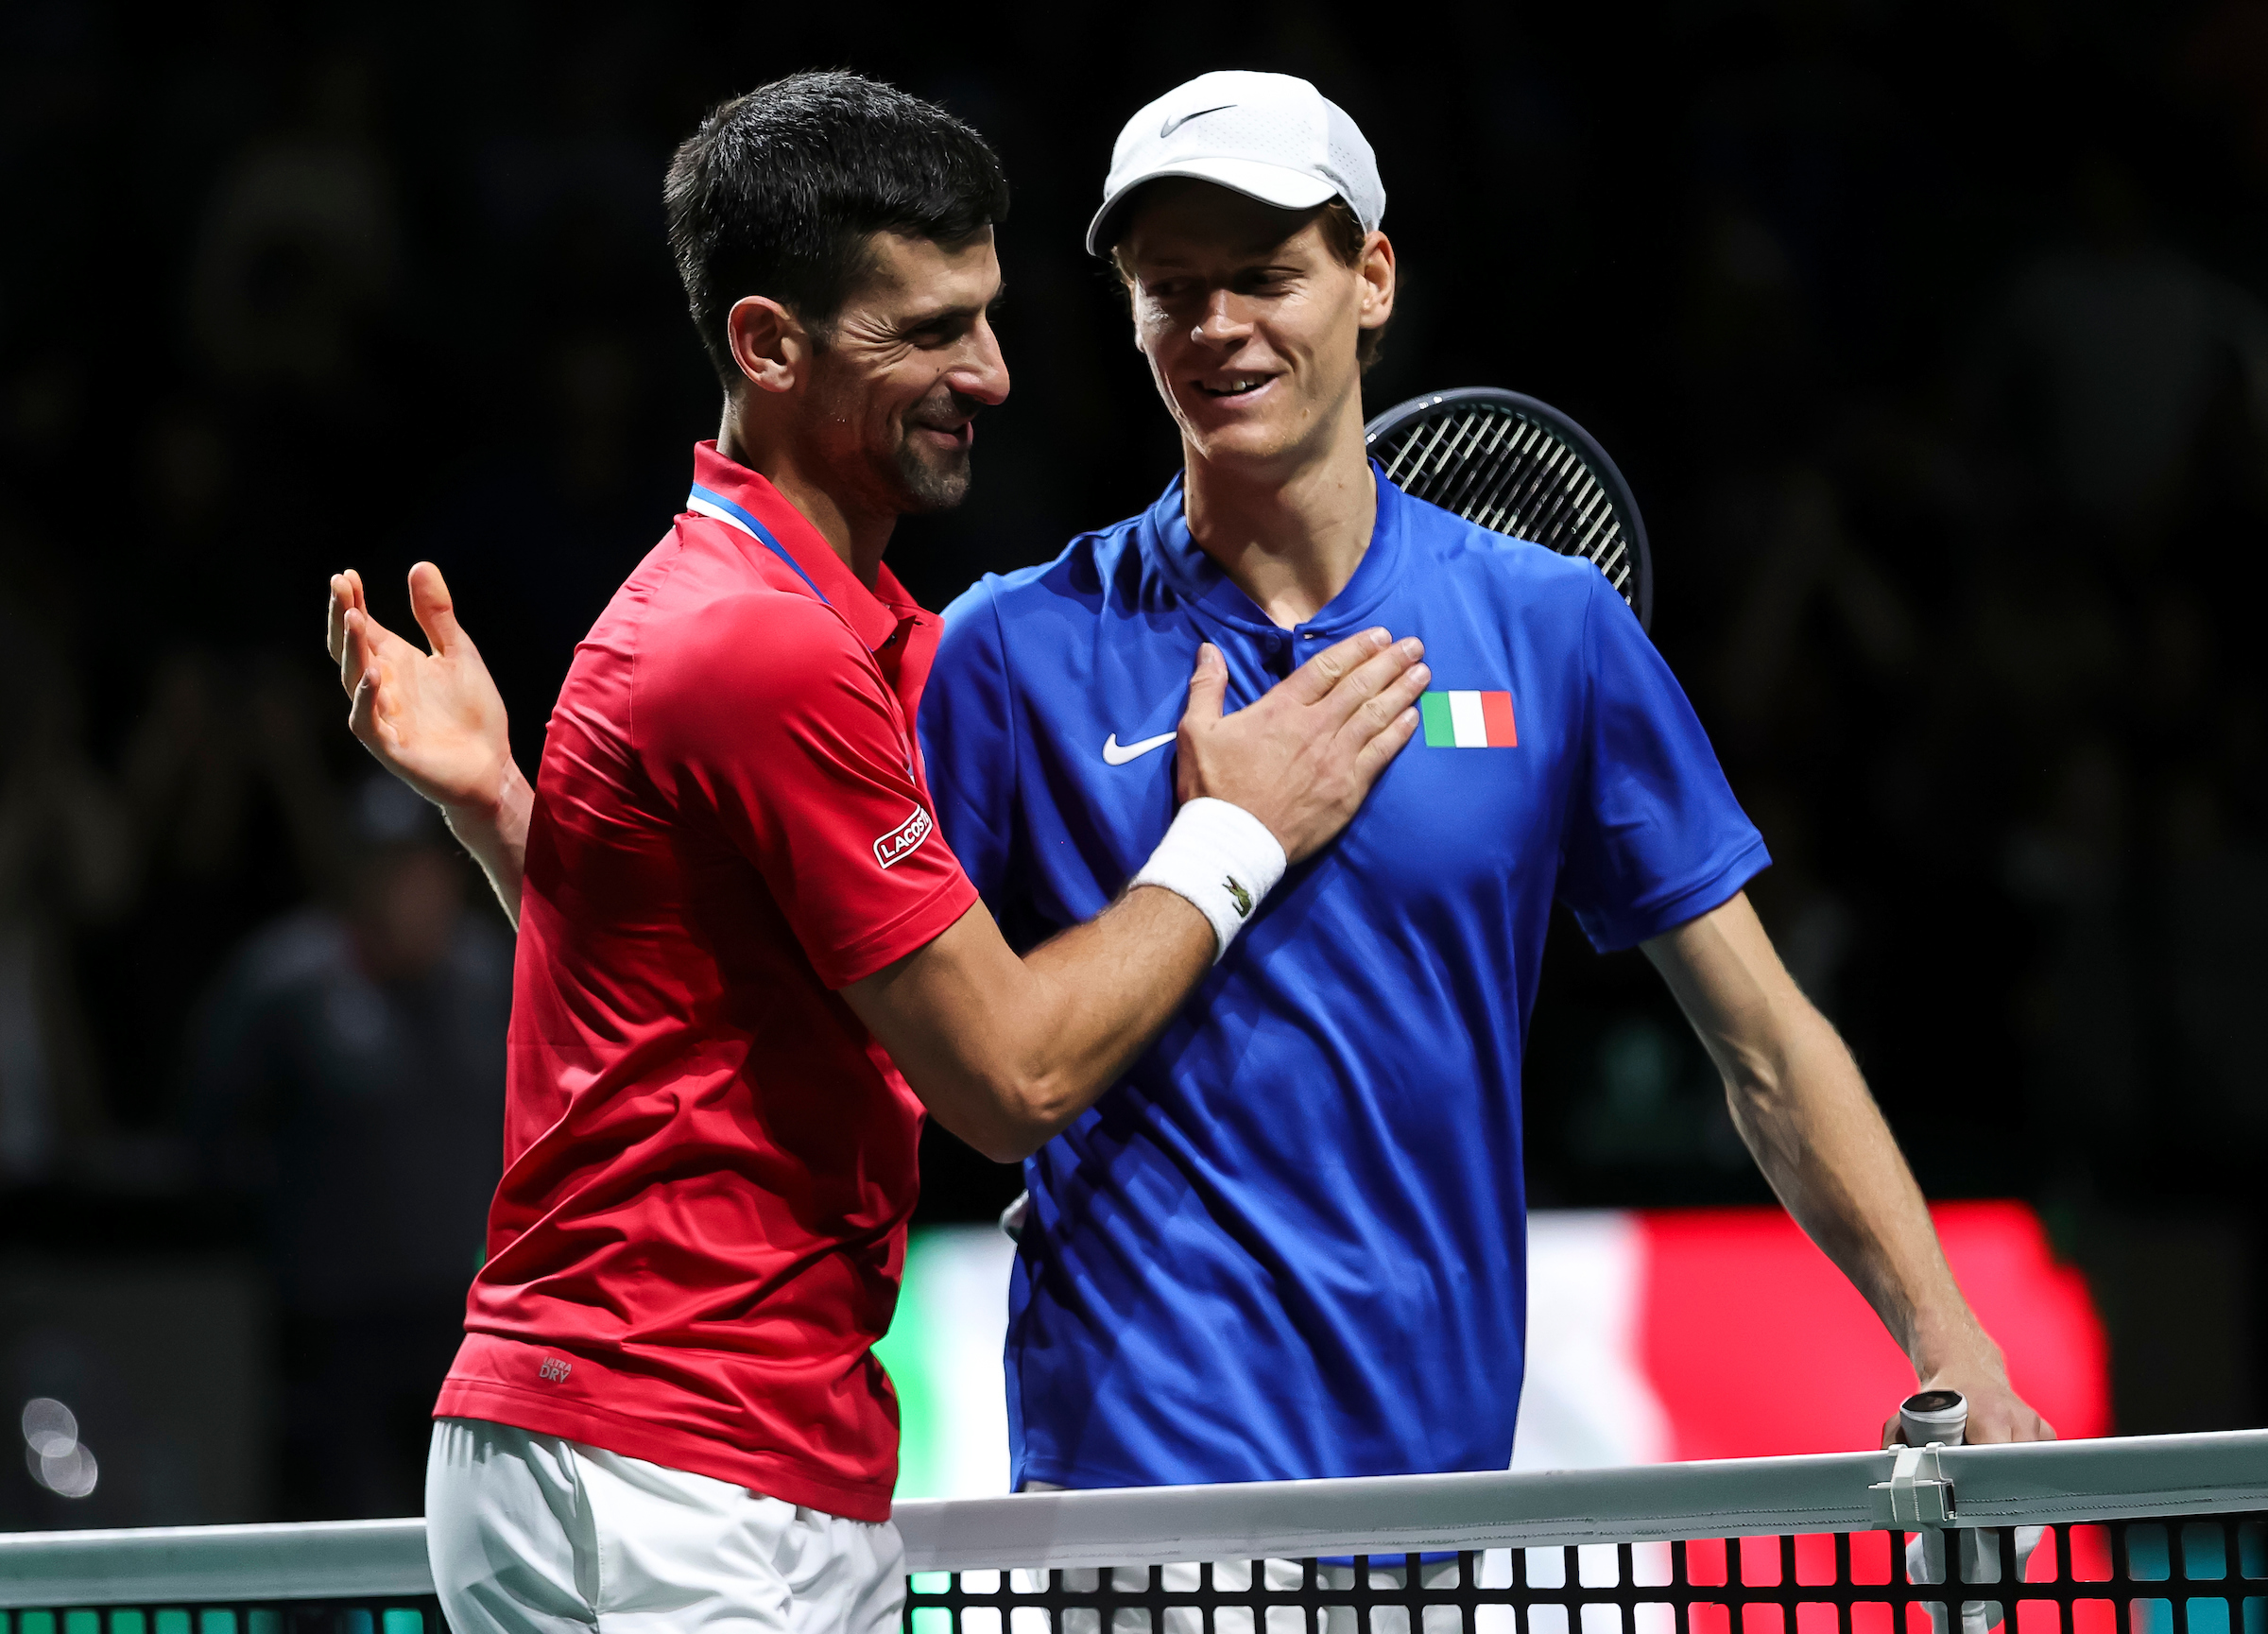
<point>534,1534</point>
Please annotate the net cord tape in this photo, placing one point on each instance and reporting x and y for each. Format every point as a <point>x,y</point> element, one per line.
<point>2049,1482</point>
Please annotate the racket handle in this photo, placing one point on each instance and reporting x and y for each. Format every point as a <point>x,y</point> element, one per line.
<point>1938,1417</point>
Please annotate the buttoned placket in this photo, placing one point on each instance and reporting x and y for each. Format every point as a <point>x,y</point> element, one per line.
<point>1221,609</point>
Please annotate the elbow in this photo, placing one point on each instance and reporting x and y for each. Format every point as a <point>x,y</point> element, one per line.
<point>1757,1095</point>
<point>1021,1116</point>
<point>1752,1089</point>
<point>992,1132</point>
<point>1013,1145</point>
<point>1037,1108</point>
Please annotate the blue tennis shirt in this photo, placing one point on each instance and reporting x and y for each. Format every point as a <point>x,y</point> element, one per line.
<point>1292,1241</point>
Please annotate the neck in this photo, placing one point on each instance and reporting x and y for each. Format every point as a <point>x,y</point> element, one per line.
<point>1288,534</point>
<point>856,535</point>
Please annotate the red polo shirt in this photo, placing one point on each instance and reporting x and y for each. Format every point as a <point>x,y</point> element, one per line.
<point>709,1162</point>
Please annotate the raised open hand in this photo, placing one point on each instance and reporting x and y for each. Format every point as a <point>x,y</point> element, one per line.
<point>434,720</point>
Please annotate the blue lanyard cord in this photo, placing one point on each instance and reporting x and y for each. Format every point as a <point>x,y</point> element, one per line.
<point>761,533</point>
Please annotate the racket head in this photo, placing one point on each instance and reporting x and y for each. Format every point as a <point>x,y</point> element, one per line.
<point>1515,466</point>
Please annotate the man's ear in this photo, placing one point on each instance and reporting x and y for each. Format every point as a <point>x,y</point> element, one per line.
<point>1376,269</point>
<point>769,343</point>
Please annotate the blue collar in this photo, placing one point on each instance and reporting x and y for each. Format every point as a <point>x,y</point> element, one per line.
<point>1163,530</point>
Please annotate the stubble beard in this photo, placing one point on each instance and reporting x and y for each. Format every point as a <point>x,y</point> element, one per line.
<point>932,483</point>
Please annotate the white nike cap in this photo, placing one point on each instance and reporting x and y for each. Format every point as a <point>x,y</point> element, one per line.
<point>1269,136</point>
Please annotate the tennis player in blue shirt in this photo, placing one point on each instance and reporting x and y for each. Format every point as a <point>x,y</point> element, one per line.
<point>1292,1241</point>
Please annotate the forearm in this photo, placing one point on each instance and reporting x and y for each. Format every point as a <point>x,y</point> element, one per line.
<point>1099,993</point>
<point>1799,1103</point>
<point>1805,1112</point>
<point>496,834</point>
<point>1004,1051</point>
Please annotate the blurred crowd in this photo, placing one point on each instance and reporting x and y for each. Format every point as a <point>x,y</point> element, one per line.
<point>1933,338</point>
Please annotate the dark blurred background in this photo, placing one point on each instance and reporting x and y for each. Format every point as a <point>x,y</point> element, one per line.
<point>1931,338</point>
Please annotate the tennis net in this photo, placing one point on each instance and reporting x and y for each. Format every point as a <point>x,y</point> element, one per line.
<point>2147,1535</point>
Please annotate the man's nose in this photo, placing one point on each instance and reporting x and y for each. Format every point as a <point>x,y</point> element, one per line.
<point>1223,321</point>
<point>982,373</point>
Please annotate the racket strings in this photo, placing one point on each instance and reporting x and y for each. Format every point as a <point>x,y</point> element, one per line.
<point>1535,492</point>
<point>1500,471</point>
<point>1510,443</point>
<point>1474,462</point>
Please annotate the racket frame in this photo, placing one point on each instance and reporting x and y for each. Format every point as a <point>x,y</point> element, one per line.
<point>1601,464</point>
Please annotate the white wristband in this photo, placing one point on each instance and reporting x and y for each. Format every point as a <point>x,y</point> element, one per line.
<point>1219,858</point>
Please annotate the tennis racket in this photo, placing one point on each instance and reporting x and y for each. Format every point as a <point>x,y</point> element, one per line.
<point>1516,466</point>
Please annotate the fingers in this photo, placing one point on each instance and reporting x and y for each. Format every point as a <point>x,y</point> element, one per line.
<point>2019,1424</point>
<point>1379,711</point>
<point>361,713</point>
<point>436,614</point>
<point>355,670</point>
<point>1384,746</point>
<point>335,622</point>
<point>1313,682</point>
<point>1370,678</point>
<point>1208,685</point>
<point>346,596</point>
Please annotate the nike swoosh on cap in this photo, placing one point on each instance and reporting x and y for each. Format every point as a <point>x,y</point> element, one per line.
<point>1116,753</point>
<point>1180,119</point>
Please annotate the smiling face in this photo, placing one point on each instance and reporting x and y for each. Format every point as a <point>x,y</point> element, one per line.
<point>908,362</point>
<point>1250,320</point>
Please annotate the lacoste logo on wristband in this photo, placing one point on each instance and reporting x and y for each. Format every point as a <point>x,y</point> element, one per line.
<point>899,844</point>
<point>1241,897</point>
<point>554,1369</point>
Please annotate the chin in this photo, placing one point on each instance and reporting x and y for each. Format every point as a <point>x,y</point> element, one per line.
<point>1244,443</point>
<point>932,485</point>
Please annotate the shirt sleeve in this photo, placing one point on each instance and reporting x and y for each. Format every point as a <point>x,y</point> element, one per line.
<point>967,739</point>
<point>766,713</point>
<point>1654,836</point>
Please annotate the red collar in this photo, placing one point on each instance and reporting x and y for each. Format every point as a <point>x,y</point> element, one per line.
<point>749,505</point>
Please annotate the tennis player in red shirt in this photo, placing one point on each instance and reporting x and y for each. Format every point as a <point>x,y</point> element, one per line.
<point>746,960</point>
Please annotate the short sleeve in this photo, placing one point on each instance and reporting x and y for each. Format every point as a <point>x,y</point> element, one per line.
<point>1654,836</point>
<point>764,711</point>
<point>968,743</point>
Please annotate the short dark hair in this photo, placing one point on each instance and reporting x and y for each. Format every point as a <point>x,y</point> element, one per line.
<point>1343,233</point>
<point>778,192</point>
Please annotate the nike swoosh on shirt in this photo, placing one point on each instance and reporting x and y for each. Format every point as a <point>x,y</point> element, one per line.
<point>1116,753</point>
<point>1180,119</point>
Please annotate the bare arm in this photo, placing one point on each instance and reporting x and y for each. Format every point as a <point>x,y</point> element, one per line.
<point>436,721</point>
<point>1006,1050</point>
<point>1801,1106</point>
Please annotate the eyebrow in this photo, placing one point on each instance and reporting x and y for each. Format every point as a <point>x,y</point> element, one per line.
<point>934,316</point>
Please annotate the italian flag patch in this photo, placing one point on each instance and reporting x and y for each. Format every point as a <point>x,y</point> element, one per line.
<point>1469,720</point>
